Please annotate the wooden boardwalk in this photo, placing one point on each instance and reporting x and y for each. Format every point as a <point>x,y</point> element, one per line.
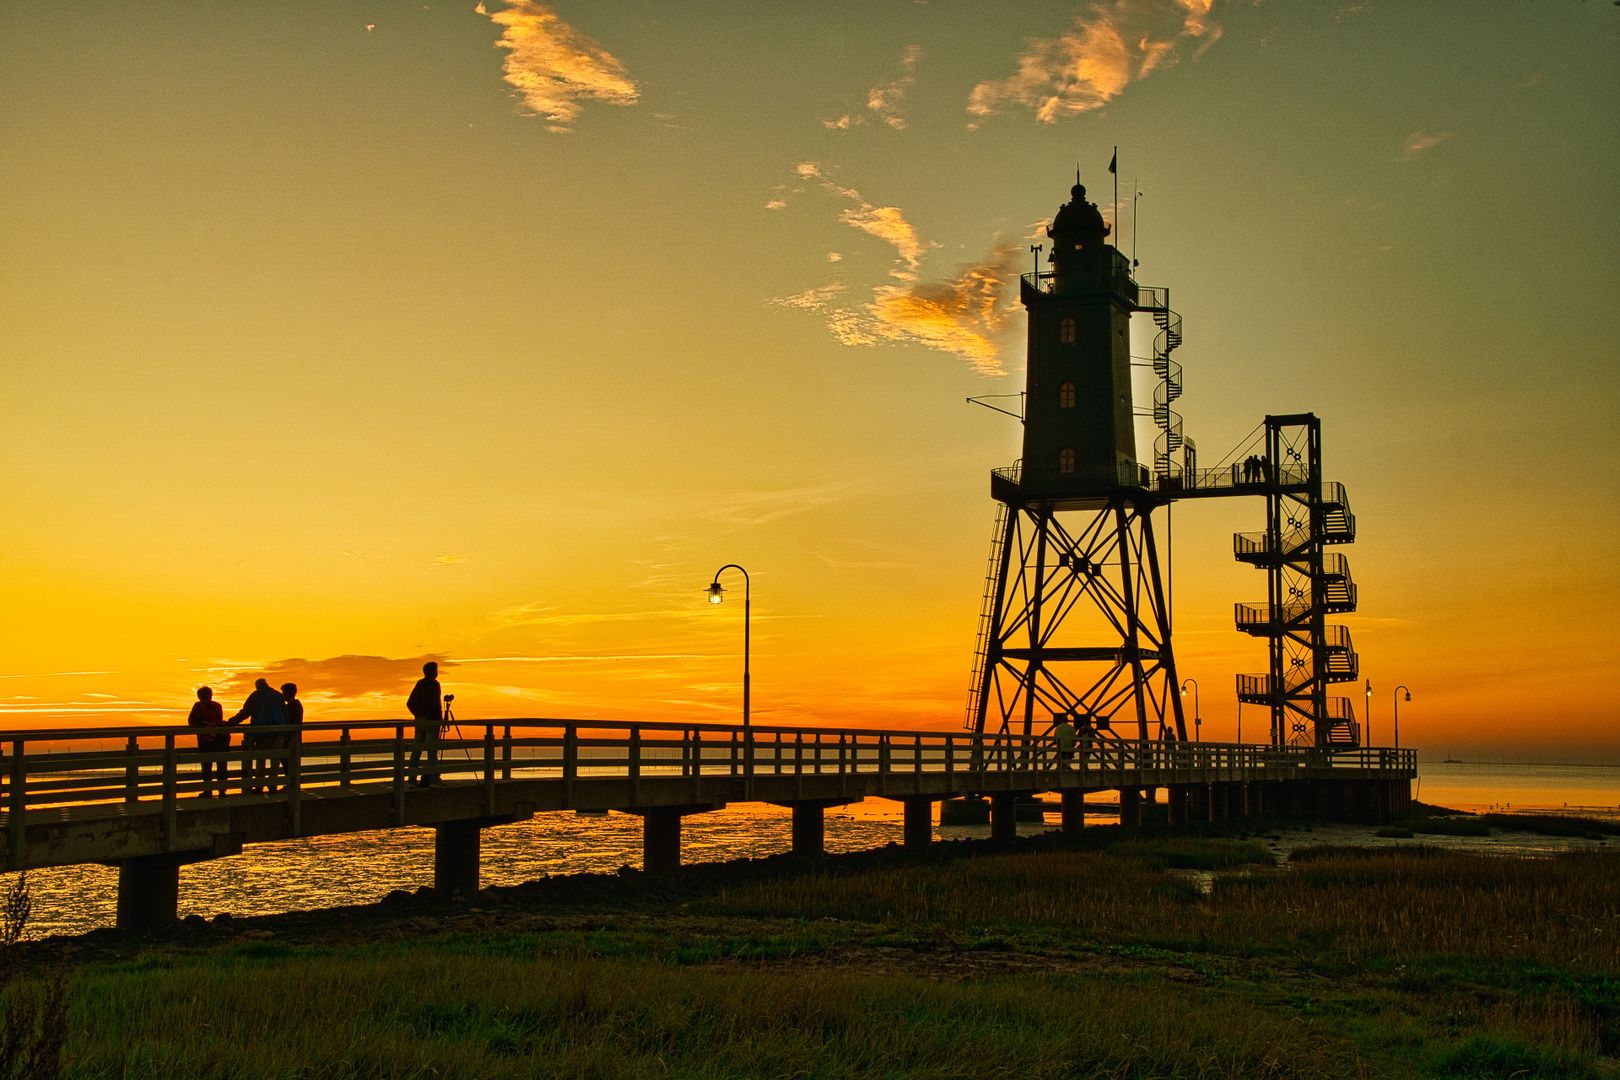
<point>132,797</point>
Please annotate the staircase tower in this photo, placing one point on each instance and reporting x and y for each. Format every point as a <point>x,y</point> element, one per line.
<point>1075,620</point>
<point>1305,584</point>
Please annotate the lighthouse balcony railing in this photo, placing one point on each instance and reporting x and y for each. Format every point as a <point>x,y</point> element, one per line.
<point>1121,282</point>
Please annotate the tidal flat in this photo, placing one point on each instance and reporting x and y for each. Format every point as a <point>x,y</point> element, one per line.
<point>1129,953</point>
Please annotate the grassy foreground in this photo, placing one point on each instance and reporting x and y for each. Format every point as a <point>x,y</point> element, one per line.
<point>1114,955</point>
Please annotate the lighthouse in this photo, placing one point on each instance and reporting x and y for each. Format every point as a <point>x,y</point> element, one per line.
<point>1079,428</point>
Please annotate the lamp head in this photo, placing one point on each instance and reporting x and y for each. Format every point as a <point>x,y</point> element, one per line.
<point>716,592</point>
<point>1409,695</point>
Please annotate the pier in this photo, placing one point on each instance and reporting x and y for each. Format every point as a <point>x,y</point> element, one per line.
<point>132,797</point>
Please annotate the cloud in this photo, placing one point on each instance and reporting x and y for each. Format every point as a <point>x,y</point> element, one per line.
<point>450,560</point>
<point>759,507</point>
<point>553,66</point>
<point>1419,141</point>
<point>338,677</point>
<point>1084,69</point>
<point>889,224</point>
<point>963,315</point>
<point>885,100</point>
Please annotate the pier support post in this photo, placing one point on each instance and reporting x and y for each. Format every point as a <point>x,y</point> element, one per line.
<point>1074,810</point>
<point>456,847</point>
<point>1130,806</point>
<point>661,839</point>
<point>1218,810</point>
<point>148,892</point>
<point>809,828</point>
<point>1176,803</point>
<point>1004,815</point>
<point>919,828</point>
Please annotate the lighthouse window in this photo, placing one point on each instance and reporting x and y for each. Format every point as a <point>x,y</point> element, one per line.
<point>1066,395</point>
<point>1066,460</point>
<point>1066,330</point>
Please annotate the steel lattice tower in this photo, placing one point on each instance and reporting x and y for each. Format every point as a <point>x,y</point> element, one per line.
<point>1075,619</point>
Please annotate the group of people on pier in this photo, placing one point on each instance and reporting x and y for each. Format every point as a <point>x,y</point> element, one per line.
<point>281,713</point>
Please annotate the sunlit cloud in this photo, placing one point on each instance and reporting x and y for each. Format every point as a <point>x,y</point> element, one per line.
<point>1108,49</point>
<point>553,66</point>
<point>1419,141</point>
<point>450,560</point>
<point>886,100</point>
<point>963,315</point>
<point>889,224</point>
<point>337,677</point>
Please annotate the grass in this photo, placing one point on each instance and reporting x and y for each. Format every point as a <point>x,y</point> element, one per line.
<point>1122,955</point>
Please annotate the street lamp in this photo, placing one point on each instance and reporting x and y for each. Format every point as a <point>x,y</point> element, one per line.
<point>1397,696</point>
<point>1369,714</point>
<point>716,595</point>
<point>1198,723</point>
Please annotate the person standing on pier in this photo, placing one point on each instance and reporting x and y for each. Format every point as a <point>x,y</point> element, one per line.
<point>206,713</point>
<point>263,708</point>
<point>429,714</point>
<point>295,717</point>
<point>1063,732</point>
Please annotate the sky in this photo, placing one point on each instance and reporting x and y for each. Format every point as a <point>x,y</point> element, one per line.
<point>341,335</point>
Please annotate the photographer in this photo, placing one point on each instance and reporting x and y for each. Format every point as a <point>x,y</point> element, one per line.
<point>425,708</point>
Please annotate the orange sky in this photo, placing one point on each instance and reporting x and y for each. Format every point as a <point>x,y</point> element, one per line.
<point>388,330</point>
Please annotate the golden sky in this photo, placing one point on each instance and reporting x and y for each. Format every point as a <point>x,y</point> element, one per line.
<point>340,335</point>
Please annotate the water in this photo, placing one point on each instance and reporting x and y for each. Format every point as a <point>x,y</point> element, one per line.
<point>362,868</point>
<point>1589,789</point>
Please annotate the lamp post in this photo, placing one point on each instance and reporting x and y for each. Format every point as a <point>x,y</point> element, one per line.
<point>1397,697</point>
<point>716,595</point>
<point>1198,723</point>
<point>1369,714</point>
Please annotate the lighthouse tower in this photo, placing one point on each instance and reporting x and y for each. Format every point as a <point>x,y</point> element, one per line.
<point>1075,621</point>
<point>1079,431</point>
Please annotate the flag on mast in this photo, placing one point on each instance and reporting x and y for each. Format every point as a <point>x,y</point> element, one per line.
<point>1113,164</point>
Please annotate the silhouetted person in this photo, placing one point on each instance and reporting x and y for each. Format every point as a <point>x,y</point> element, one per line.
<point>1063,732</point>
<point>207,714</point>
<point>295,717</point>
<point>263,708</point>
<point>424,704</point>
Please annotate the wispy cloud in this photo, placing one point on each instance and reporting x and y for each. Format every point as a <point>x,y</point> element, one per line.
<point>759,507</point>
<point>553,66</point>
<point>889,224</point>
<point>451,559</point>
<point>338,677</point>
<point>1084,69</point>
<point>963,314</point>
<point>887,99</point>
<point>1419,141</point>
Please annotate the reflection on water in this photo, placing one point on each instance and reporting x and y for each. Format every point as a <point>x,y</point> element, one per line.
<point>362,868</point>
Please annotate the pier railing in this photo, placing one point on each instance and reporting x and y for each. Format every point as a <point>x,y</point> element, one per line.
<point>150,768</point>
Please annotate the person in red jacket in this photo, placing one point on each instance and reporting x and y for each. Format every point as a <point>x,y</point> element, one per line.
<point>207,715</point>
